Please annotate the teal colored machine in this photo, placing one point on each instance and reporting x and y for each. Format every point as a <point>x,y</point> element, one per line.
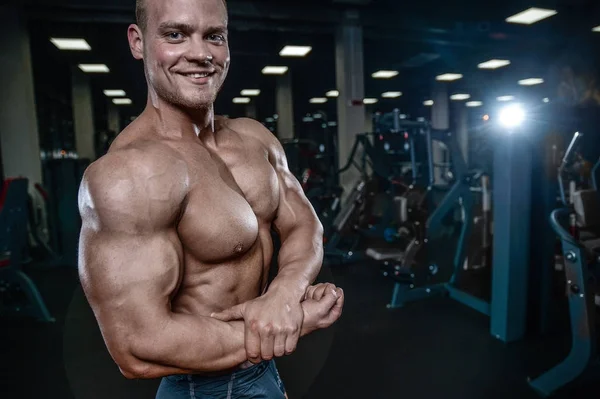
<point>417,277</point>
<point>577,225</point>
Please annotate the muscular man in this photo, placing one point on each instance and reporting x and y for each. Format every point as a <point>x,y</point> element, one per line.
<point>177,217</point>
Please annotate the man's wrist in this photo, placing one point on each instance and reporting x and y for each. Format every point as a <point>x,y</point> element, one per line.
<point>295,291</point>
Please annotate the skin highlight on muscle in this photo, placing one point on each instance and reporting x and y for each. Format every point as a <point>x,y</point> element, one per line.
<point>176,242</point>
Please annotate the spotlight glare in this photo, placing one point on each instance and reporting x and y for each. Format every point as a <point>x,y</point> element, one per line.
<point>512,116</point>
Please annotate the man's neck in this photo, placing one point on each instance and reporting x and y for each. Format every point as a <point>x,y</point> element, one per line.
<point>178,122</point>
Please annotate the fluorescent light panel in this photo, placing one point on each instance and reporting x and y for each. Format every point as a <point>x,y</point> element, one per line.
<point>391,94</point>
<point>94,68</point>
<point>531,16</point>
<point>274,70</point>
<point>448,77</point>
<point>596,29</point>
<point>250,92</point>
<point>493,64</point>
<point>531,82</point>
<point>122,101</point>
<point>370,101</point>
<point>295,51</point>
<point>473,104</point>
<point>428,103</point>
<point>114,93</point>
<point>71,44</point>
<point>505,98</point>
<point>318,100</point>
<point>241,100</point>
<point>333,93</point>
<point>384,74</point>
<point>460,97</point>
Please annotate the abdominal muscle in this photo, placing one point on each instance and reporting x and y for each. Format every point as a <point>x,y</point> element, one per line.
<point>208,288</point>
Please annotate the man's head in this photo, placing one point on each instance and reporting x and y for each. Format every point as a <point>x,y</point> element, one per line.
<point>180,42</point>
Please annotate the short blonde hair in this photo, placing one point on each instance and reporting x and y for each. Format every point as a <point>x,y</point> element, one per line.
<point>141,14</point>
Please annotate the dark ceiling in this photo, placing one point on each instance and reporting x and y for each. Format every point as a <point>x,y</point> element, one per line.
<point>453,35</point>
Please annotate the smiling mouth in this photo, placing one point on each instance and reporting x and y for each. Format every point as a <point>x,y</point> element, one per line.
<point>199,77</point>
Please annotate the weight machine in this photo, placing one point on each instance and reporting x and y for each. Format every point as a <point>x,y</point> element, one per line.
<point>389,154</point>
<point>577,225</point>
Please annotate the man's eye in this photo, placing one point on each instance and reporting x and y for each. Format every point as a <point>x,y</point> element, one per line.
<point>175,35</point>
<point>218,38</point>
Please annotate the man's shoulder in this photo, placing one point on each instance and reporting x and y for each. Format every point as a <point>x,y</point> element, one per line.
<point>249,127</point>
<point>151,162</point>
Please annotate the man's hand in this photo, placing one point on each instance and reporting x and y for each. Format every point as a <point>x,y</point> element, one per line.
<point>322,307</point>
<point>273,324</point>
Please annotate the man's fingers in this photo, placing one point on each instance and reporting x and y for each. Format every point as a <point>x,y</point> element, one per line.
<point>320,291</point>
<point>291,341</point>
<point>253,349</point>
<point>267,344</point>
<point>233,313</point>
<point>328,301</point>
<point>279,348</point>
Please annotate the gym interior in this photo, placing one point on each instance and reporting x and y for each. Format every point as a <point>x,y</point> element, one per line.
<point>450,149</point>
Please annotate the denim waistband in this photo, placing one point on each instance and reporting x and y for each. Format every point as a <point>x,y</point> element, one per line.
<point>240,376</point>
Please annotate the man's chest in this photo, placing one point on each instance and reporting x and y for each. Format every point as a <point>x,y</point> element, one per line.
<point>237,167</point>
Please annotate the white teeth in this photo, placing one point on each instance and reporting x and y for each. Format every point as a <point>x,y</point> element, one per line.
<point>198,75</point>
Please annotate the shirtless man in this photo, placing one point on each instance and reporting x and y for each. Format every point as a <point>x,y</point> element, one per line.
<point>176,239</point>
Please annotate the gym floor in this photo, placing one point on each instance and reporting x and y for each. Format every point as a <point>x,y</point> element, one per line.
<point>430,349</point>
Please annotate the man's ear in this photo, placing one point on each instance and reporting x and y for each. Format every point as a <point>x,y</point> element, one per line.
<point>136,41</point>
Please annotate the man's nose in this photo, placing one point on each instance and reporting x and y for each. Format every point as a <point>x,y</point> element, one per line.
<point>199,52</point>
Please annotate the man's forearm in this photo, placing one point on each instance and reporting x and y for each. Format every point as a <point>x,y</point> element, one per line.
<point>300,260</point>
<point>189,345</point>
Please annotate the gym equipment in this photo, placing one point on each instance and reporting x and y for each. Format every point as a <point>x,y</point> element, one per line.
<point>18,294</point>
<point>577,225</point>
<point>415,276</point>
<point>380,205</point>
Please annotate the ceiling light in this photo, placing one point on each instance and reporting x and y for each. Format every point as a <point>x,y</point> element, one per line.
<point>274,70</point>
<point>384,74</point>
<point>428,103</point>
<point>391,94</point>
<point>473,104</point>
<point>71,44</point>
<point>332,123</point>
<point>493,64</point>
<point>460,97</point>
<point>94,68</point>
<point>122,101</point>
<point>241,100</point>
<point>307,119</point>
<point>531,81</point>
<point>370,101</point>
<point>295,51</point>
<point>250,92</point>
<point>546,100</point>
<point>531,16</point>
<point>318,100</point>
<point>505,98</point>
<point>114,93</point>
<point>332,93</point>
<point>596,29</point>
<point>448,77</point>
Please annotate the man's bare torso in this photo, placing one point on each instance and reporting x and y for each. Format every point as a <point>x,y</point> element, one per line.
<point>224,222</point>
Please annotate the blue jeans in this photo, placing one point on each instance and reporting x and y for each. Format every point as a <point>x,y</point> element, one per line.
<point>259,381</point>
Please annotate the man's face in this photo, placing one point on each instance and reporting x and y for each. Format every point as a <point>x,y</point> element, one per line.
<point>181,38</point>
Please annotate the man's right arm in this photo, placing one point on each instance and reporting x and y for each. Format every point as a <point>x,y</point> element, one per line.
<point>130,266</point>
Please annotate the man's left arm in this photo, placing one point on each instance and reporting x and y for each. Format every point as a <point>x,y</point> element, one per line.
<point>274,320</point>
<point>300,231</point>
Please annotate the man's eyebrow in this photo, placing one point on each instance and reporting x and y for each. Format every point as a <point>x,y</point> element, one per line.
<point>175,25</point>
